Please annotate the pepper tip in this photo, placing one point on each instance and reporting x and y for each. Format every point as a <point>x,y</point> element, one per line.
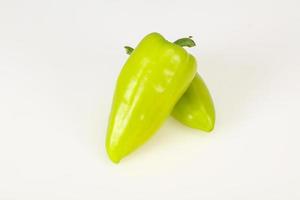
<point>113,156</point>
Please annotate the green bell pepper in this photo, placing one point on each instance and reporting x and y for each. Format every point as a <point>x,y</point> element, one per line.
<point>195,108</point>
<point>153,79</point>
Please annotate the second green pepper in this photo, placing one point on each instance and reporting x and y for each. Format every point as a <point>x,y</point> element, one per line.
<point>195,108</point>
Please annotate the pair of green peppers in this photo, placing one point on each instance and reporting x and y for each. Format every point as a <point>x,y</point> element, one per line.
<point>158,79</point>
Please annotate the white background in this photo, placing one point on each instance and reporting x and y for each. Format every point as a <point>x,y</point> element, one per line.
<point>59,61</point>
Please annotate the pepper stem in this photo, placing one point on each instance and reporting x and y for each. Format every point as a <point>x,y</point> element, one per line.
<point>183,42</point>
<point>128,49</point>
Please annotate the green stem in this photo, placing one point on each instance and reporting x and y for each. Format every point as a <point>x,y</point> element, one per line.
<point>183,42</point>
<point>128,49</point>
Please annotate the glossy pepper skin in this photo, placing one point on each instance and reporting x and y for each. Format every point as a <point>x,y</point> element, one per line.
<point>195,108</point>
<point>154,77</point>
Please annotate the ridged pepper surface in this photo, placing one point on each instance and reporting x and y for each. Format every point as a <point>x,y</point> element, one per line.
<point>195,108</point>
<point>153,79</point>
